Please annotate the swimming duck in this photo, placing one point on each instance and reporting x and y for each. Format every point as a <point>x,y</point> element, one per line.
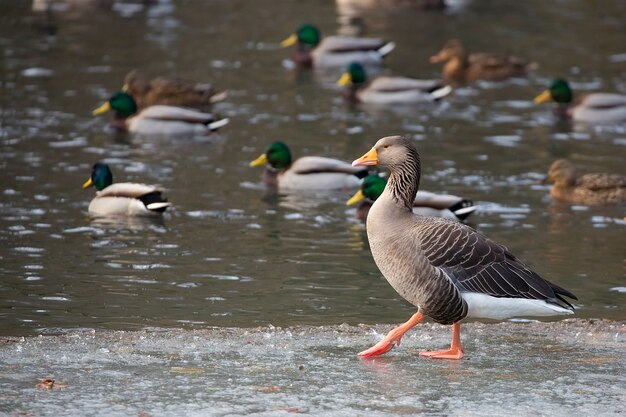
<point>124,198</point>
<point>461,67</point>
<point>588,108</point>
<point>159,119</point>
<point>388,90</point>
<point>308,172</point>
<point>335,51</point>
<point>425,203</point>
<point>445,268</point>
<point>586,189</point>
<point>169,91</point>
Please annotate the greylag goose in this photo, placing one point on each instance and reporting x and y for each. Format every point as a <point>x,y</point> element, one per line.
<point>447,269</point>
<point>124,198</point>
<point>596,188</point>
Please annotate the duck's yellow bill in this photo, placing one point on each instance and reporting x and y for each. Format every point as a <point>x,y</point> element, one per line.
<point>543,97</point>
<point>102,109</point>
<point>345,79</point>
<point>358,196</point>
<point>88,183</point>
<point>370,158</point>
<point>261,160</point>
<point>291,40</point>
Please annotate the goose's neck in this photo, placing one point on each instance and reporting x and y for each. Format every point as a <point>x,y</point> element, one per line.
<point>404,181</point>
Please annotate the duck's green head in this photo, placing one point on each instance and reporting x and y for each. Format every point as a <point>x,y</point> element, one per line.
<point>355,74</point>
<point>101,177</point>
<point>277,155</point>
<point>371,188</point>
<point>307,35</point>
<point>123,103</point>
<point>559,91</point>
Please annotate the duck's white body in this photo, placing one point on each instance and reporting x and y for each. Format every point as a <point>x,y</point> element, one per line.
<point>599,108</point>
<point>123,199</point>
<point>318,173</point>
<point>172,121</point>
<point>340,51</point>
<point>401,90</point>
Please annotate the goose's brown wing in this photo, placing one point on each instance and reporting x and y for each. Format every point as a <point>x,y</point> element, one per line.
<point>478,264</point>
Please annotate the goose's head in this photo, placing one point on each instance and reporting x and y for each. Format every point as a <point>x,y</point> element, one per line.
<point>390,152</point>
<point>101,177</point>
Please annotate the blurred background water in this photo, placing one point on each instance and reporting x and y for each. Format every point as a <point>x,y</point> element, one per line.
<point>230,253</point>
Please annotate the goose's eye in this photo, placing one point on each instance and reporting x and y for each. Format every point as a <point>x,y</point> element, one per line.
<point>385,146</point>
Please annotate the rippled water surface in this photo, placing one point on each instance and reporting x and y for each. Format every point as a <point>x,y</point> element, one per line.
<point>230,253</point>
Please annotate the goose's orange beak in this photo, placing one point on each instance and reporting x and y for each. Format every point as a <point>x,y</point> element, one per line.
<point>370,158</point>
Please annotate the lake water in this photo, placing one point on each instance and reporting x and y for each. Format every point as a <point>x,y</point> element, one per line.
<point>230,253</point>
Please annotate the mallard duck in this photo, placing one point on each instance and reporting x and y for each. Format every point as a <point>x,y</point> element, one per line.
<point>158,120</point>
<point>445,268</point>
<point>308,172</point>
<point>389,90</point>
<point>335,51</point>
<point>588,108</point>
<point>425,203</point>
<point>461,67</point>
<point>586,189</point>
<point>124,198</point>
<point>169,91</point>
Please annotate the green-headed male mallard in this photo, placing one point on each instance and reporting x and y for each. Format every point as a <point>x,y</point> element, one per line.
<point>124,198</point>
<point>388,90</point>
<point>158,120</point>
<point>425,203</point>
<point>308,172</point>
<point>460,67</point>
<point>446,269</point>
<point>169,91</point>
<point>591,189</point>
<point>335,51</point>
<point>588,108</point>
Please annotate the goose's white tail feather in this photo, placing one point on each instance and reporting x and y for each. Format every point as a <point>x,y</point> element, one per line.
<point>500,308</point>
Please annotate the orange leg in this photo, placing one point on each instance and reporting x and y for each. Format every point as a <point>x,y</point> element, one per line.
<point>393,337</point>
<point>455,351</point>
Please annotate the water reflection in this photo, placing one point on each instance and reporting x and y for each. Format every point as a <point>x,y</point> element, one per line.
<point>231,254</point>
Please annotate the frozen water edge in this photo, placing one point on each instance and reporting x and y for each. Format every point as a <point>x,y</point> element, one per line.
<point>571,367</point>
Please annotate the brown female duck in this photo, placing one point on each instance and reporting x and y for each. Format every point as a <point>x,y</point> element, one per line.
<point>592,189</point>
<point>170,91</point>
<point>461,67</point>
